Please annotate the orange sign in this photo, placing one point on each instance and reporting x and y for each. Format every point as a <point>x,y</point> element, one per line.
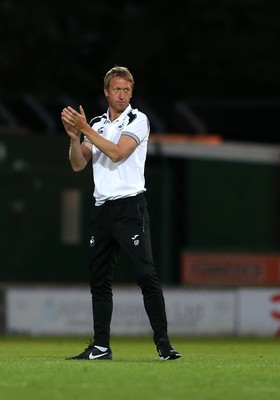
<point>230,269</point>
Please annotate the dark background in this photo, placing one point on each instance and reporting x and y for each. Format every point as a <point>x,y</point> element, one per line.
<point>200,66</point>
<point>215,60</point>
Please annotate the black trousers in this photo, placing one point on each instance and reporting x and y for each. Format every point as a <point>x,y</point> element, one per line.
<point>123,223</point>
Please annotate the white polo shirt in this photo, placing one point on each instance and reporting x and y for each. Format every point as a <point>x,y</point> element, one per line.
<point>126,177</point>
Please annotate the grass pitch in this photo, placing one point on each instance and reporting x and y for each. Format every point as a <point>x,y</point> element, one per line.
<point>231,369</point>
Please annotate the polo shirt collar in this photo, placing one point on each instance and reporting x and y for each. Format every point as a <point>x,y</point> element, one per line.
<point>122,116</point>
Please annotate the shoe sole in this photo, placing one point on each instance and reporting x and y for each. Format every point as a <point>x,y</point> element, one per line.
<point>172,357</point>
<point>105,357</point>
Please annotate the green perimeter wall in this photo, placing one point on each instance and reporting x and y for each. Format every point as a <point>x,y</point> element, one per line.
<point>194,204</point>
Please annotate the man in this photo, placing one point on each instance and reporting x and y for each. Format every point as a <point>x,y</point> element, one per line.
<point>116,143</point>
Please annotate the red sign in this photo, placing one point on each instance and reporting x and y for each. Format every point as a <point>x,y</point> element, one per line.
<point>230,269</point>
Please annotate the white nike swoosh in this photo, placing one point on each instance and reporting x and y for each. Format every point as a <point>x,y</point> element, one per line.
<point>134,237</point>
<point>92,357</point>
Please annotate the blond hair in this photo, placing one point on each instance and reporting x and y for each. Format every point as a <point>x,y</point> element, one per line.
<point>122,72</point>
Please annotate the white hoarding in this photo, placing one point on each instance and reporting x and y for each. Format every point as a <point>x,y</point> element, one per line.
<point>258,312</point>
<point>48,311</point>
<point>68,311</point>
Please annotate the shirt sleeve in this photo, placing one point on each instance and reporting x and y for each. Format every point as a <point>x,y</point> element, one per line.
<point>139,128</point>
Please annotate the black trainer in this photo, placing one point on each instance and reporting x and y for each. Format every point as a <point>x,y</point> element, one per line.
<point>166,351</point>
<point>93,353</point>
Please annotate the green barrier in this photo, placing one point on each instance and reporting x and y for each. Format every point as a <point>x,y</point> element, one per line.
<point>232,206</point>
<point>193,204</point>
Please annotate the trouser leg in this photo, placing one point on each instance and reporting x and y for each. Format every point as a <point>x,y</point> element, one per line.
<point>155,307</point>
<point>133,235</point>
<point>103,259</point>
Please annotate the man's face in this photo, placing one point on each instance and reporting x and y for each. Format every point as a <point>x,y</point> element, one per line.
<point>118,94</point>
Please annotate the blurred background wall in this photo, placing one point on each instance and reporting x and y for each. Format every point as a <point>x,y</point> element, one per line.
<point>201,67</point>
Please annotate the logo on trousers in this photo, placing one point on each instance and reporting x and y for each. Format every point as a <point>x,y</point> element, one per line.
<point>92,241</point>
<point>135,240</point>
